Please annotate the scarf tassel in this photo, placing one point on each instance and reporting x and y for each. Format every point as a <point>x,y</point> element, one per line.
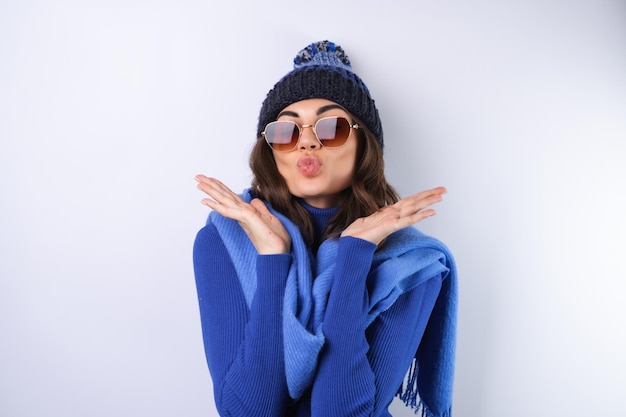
<point>409,394</point>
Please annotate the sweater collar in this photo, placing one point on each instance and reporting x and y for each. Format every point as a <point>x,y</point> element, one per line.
<point>321,217</point>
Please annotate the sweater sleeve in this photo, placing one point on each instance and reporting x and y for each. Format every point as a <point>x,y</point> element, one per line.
<point>360,371</point>
<point>243,346</point>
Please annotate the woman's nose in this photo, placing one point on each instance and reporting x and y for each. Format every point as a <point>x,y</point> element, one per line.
<point>308,140</point>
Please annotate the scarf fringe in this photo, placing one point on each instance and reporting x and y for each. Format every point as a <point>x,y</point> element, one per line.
<point>409,395</point>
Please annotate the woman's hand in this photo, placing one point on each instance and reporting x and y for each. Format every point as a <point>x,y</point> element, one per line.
<point>406,212</point>
<point>267,233</point>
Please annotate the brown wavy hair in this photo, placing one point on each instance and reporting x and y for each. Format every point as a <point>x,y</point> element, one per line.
<point>369,191</point>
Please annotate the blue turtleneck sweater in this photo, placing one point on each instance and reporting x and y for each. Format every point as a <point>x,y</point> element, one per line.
<point>358,373</point>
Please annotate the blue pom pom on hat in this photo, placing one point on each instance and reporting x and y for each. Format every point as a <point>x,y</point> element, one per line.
<point>322,70</point>
<point>322,53</point>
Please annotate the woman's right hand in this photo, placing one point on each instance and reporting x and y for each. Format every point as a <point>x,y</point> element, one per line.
<point>267,233</point>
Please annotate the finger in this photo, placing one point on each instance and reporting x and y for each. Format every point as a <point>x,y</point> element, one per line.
<point>200,177</point>
<point>207,184</point>
<point>410,206</point>
<point>240,211</point>
<point>410,200</point>
<point>429,193</point>
<point>421,215</point>
<point>219,192</point>
<point>410,219</point>
<point>203,180</point>
<point>260,206</point>
<point>427,201</point>
<point>223,200</point>
<point>262,210</point>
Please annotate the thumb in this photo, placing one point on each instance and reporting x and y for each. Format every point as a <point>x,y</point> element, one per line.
<point>260,206</point>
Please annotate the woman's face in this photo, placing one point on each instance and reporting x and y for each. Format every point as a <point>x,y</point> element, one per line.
<point>313,172</point>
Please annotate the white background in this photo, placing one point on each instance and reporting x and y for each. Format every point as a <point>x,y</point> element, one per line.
<point>109,108</point>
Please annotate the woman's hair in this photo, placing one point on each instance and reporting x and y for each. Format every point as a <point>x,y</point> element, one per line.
<point>369,190</point>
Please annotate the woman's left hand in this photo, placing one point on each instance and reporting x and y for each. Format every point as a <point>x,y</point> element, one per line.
<point>406,212</point>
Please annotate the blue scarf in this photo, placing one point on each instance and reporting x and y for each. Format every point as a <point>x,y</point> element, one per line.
<point>407,259</point>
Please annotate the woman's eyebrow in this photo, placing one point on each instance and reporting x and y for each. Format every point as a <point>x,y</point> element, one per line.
<point>328,107</point>
<point>287,113</point>
<point>320,111</point>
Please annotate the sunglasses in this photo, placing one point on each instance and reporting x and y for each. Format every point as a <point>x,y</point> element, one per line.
<point>283,135</point>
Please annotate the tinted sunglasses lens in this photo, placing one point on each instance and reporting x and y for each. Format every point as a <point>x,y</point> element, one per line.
<point>282,136</point>
<point>332,131</point>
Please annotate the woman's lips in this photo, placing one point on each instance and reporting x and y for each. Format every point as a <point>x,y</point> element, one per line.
<point>309,165</point>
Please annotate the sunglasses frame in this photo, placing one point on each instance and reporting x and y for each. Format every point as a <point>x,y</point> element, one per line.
<point>352,126</point>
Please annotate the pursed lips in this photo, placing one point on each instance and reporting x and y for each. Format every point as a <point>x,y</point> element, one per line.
<point>309,165</point>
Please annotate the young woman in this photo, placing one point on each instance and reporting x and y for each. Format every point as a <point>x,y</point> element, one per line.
<point>317,295</point>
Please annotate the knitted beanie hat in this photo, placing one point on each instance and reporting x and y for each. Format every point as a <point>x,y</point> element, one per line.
<point>322,70</point>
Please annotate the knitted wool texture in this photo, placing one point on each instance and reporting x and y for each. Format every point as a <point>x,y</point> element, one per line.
<point>408,258</point>
<point>322,70</point>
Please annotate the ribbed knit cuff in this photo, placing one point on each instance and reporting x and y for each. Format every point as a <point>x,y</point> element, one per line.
<point>272,272</point>
<point>358,254</point>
